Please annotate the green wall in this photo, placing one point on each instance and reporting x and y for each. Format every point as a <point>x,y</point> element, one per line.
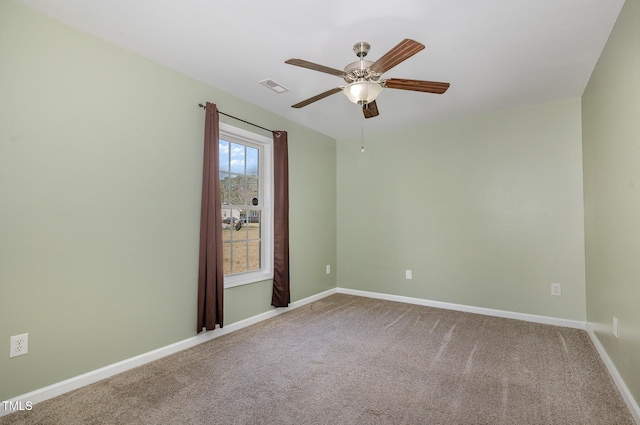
<point>611,143</point>
<point>485,211</point>
<point>100,179</point>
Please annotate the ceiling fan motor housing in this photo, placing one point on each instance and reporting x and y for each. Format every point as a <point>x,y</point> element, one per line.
<point>358,71</point>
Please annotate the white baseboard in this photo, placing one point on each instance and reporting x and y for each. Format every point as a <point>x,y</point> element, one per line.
<point>615,375</point>
<point>79,381</point>
<point>469,309</point>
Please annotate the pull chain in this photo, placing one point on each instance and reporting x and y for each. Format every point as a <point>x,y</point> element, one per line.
<point>362,138</point>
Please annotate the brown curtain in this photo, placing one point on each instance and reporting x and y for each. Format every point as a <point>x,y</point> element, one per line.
<point>210,270</point>
<point>281,296</point>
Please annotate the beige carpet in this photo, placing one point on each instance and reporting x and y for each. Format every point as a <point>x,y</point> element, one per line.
<point>354,360</point>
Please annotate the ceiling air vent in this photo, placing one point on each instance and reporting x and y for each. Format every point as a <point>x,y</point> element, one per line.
<point>276,87</point>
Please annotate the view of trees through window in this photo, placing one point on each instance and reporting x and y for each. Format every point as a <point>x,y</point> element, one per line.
<point>241,207</point>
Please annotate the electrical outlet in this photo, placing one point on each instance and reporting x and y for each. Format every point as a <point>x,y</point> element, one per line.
<point>328,268</point>
<point>556,289</point>
<point>407,274</point>
<point>615,326</point>
<point>19,345</point>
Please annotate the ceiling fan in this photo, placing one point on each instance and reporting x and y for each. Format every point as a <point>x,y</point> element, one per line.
<point>363,77</point>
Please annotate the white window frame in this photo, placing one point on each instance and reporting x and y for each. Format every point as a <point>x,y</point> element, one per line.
<point>265,179</point>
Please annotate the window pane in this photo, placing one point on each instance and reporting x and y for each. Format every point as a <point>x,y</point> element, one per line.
<point>252,161</point>
<point>226,257</point>
<point>223,147</point>
<point>254,235</point>
<point>252,220</point>
<point>225,188</point>
<point>254,216</point>
<point>239,257</point>
<point>237,190</point>
<point>237,158</point>
<point>241,227</point>
<point>252,189</point>
<point>227,224</point>
<point>252,174</point>
<point>254,255</point>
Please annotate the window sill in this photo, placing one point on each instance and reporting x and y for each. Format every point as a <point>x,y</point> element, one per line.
<point>246,278</point>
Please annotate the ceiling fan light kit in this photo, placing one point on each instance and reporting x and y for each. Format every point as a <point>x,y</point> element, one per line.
<point>362,92</point>
<point>363,77</point>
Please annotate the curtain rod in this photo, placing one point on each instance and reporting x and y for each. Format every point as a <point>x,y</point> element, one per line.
<point>239,119</point>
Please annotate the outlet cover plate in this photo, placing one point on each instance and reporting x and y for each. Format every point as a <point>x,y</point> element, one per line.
<point>556,289</point>
<point>19,345</point>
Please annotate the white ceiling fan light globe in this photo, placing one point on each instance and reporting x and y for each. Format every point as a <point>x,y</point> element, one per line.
<point>362,92</point>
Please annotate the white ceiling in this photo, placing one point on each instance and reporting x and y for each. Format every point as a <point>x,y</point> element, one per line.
<point>496,54</point>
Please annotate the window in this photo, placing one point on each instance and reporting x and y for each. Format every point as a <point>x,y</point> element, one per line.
<point>246,184</point>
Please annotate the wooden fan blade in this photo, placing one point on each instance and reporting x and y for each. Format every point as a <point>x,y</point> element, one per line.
<point>416,85</point>
<point>403,51</point>
<point>315,67</point>
<point>317,97</point>
<point>370,110</point>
